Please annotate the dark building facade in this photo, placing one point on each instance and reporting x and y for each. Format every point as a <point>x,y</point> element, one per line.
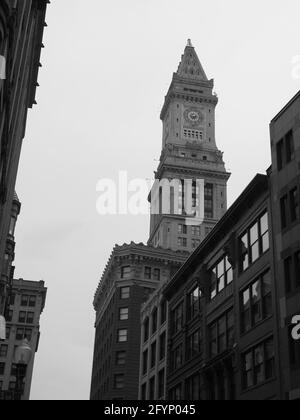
<point>232,304</point>
<point>22,25</point>
<point>285,199</point>
<point>223,342</point>
<point>134,271</point>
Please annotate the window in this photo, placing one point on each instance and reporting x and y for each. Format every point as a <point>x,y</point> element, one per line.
<point>222,276</point>
<point>182,242</point>
<point>152,389</point>
<point>3,350</point>
<point>163,312</point>
<point>208,201</point>
<point>182,229</point>
<point>221,334</point>
<point>177,357</point>
<point>123,314</point>
<point>144,392</point>
<point>153,354</point>
<point>122,336</point>
<point>22,317</point>
<point>120,358</point>
<point>196,230</point>
<point>12,299</point>
<point>193,345</point>
<point>177,319</point>
<point>285,150</point>
<point>125,272</point>
<point>2,368</point>
<point>292,272</point>
<point>119,382</point>
<point>30,318</point>
<point>176,393</point>
<point>8,333</point>
<point>146,330</point>
<point>145,362</point>
<point>194,303</point>
<point>156,274</point>
<point>255,242</point>
<point>257,302</point>
<point>148,273</point>
<point>28,301</point>
<point>162,346</point>
<point>154,321</point>
<point>193,388</point>
<point>259,364</point>
<point>294,204</point>
<point>23,333</point>
<point>193,134</point>
<point>161,384</point>
<point>195,243</point>
<point>125,292</point>
<point>9,316</point>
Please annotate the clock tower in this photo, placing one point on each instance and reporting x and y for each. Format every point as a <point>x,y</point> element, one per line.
<point>189,155</point>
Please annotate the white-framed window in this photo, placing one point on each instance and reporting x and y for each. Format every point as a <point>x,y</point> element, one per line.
<point>193,134</point>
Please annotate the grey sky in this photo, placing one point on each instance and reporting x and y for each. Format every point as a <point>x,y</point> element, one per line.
<point>106,69</point>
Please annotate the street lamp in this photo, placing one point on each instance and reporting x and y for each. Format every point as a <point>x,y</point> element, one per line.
<point>22,359</point>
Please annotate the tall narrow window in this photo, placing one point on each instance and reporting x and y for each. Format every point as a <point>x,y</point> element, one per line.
<point>208,201</point>
<point>294,204</point>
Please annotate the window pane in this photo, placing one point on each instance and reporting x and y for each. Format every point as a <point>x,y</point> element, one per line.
<point>264,224</point>
<point>259,365</point>
<point>254,234</point>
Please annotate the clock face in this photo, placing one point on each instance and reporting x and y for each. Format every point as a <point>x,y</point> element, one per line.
<point>194,116</point>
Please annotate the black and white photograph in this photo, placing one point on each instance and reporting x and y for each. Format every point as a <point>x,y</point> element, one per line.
<point>149,203</point>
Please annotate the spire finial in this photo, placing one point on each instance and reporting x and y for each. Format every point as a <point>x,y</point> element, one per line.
<point>189,43</point>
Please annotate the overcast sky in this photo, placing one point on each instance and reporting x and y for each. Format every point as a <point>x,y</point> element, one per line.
<point>107,66</point>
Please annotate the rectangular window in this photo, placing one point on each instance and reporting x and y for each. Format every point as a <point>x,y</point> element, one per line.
<point>177,319</point>
<point>146,330</point>
<point>144,392</point>
<point>125,272</point>
<point>256,302</point>
<point>121,358</point>
<point>122,336</point>
<point>194,303</point>
<point>176,393</point>
<point>193,388</point>
<point>154,321</point>
<point>123,314</point>
<point>3,350</point>
<point>284,211</point>
<point>125,292</point>
<point>152,389</point>
<point>182,242</point>
<point>161,384</point>
<point>177,357</point>
<point>9,316</point>
<point>153,354</point>
<point>22,317</point>
<point>2,368</point>
<point>221,334</point>
<point>148,273</point>
<point>222,276</point>
<point>119,382</point>
<point>195,243</point>
<point>193,345</point>
<point>30,318</point>
<point>24,300</point>
<point>294,204</point>
<point>285,150</point>
<point>259,364</point>
<point>145,362</point>
<point>156,274</point>
<point>208,201</point>
<point>32,301</point>
<point>163,312</point>
<point>182,229</point>
<point>162,346</point>
<point>254,242</point>
<point>196,230</point>
<point>288,278</point>
<point>279,152</point>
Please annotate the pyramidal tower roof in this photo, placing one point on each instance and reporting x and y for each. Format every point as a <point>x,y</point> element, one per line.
<point>190,66</point>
